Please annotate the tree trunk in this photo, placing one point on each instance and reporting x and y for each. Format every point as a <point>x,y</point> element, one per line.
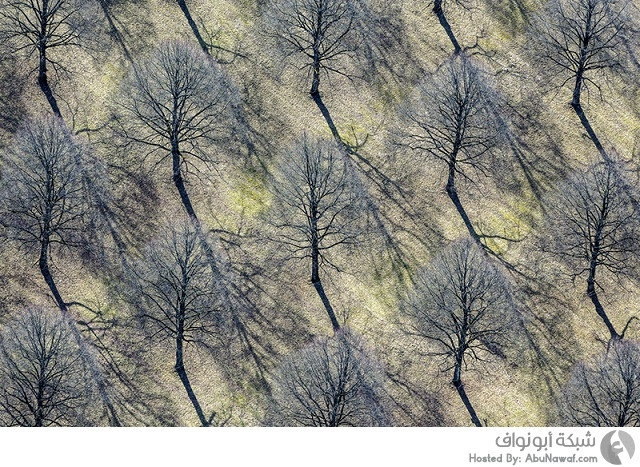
<point>182,373</point>
<point>327,116</point>
<point>437,9</point>
<point>457,383</point>
<point>589,129</point>
<point>194,27</point>
<point>315,81</point>
<point>178,181</point>
<point>593,295</point>
<point>39,419</point>
<point>577,88</point>
<point>43,262</point>
<point>591,280</point>
<point>577,107</point>
<point>315,84</point>
<point>317,283</point>
<point>43,81</point>
<point>453,195</point>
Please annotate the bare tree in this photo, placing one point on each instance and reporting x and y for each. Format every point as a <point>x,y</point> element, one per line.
<point>580,41</point>
<point>178,300</point>
<point>43,203</point>
<point>43,380</point>
<point>451,120</point>
<point>318,36</point>
<point>593,226</point>
<point>333,382</point>
<point>462,305</point>
<point>42,28</point>
<point>319,209</point>
<point>175,106</point>
<point>604,391</point>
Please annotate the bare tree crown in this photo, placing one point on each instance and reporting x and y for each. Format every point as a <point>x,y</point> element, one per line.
<point>43,198</point>
<point>332,382</point>
<point>319,36</point>
<point>34,26</point>
<point>43,381</point>
<point>604,391</point>
<point>593,221</point>
<point>451,118</point>
<point>580,39</point>
<point>177,292</point>
<point>461,304</point>
<point>177,101</point>
<point>319,205</point>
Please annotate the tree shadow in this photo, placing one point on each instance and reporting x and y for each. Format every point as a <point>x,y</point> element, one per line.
<point>12,94</point>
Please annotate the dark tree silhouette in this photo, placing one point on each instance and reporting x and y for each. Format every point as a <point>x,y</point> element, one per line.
<point>604,391</point>
<point>593,227</point>
<point>580,41</point>
<point>318,209</point>
<point>43,203</point>
<point>333,382</point>
<point>178,300</point>
<point>175,107</point>
<point>451,119</point>
<point>41,28</point>
<point>43,380</point>
<point>318,36</point>
<point>461,304</point>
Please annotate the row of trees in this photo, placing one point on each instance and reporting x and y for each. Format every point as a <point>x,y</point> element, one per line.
<point>177,111</point>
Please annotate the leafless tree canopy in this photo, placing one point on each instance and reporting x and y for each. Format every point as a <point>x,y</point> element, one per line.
<point>319,208</point>
<point>176,104</point>
<point>462,305</point>
<point>37,25</point>
<point>451,119</point>
<point>318,36</point>
<point>43,381</point>
<point>578,40</point>
<point>177,290</point>
<point>319,202</point>
<point>333,382</point>
<point>605,391</point>
<point>42,28</point>
<point>43,202</point>
<point>593,226</point>
<point>178,299</point>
